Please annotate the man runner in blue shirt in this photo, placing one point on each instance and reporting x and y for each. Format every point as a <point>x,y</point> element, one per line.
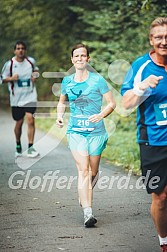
<point>145,87</point>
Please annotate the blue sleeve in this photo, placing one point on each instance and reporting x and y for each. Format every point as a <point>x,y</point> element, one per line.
<point>128,81</point>
<point>63,86</point>
<point>65,81</point>
<point>136,69</point>
<point>103,87</point>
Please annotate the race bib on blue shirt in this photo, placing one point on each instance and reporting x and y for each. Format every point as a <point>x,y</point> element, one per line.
<point>161,113</point>
<point>82,124</point>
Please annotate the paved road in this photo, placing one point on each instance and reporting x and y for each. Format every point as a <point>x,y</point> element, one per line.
<point>39,208</point>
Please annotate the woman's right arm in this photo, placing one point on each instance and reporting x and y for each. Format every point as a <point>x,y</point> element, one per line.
<point>61,110</point>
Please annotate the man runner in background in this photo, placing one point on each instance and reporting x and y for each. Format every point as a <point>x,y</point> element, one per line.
<point>20,73</point>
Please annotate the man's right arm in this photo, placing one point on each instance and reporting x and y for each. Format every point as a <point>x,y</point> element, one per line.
<point>6,73</point>
<point>135,96</point>
<point>15,77</point>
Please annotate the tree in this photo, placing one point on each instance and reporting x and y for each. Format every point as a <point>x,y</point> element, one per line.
<point>112,29</point>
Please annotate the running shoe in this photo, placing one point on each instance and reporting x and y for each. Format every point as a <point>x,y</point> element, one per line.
<point>32,152</point>
<point>18,152</point>
<point>164,248</point>
<point>89,221</point>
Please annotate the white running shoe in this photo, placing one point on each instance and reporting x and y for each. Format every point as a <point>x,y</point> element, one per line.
<point>18,154</point>
<point>32,152</point>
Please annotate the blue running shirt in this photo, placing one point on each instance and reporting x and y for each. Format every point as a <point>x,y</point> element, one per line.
<point>152,113</point>
<point>85,99</point>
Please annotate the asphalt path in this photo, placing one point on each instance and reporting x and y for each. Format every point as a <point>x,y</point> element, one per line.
<point>39,208</point>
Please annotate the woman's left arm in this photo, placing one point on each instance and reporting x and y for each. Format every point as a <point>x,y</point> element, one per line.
<point>107,110</point>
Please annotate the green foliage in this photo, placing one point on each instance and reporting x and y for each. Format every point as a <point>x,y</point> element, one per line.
<point>112,29</point>
<point>122,150</point>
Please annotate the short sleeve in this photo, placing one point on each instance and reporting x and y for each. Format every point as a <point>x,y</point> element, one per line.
<point>64,83</point>
<point>33,61</point>
<point>6,70</point>
<point>135,73</point>
<point>128,81</point>
<point>103,86</point>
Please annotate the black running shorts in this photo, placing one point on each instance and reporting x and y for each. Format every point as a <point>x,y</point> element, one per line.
<point>154,167</point>
<point>18,113</point>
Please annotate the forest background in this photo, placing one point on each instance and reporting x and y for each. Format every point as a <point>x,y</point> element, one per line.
<point>116,33</point>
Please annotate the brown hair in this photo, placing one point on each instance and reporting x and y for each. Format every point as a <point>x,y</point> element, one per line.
<point>160,21</point>
<point>77,46</point>
<point>20,42</point>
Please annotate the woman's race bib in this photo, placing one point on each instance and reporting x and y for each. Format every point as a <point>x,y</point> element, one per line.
<point>81,123</point>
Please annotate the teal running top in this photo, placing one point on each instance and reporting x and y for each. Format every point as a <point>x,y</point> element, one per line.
<point>85,99</point>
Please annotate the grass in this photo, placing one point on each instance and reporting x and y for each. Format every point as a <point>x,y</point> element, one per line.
<point>122,150</point>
